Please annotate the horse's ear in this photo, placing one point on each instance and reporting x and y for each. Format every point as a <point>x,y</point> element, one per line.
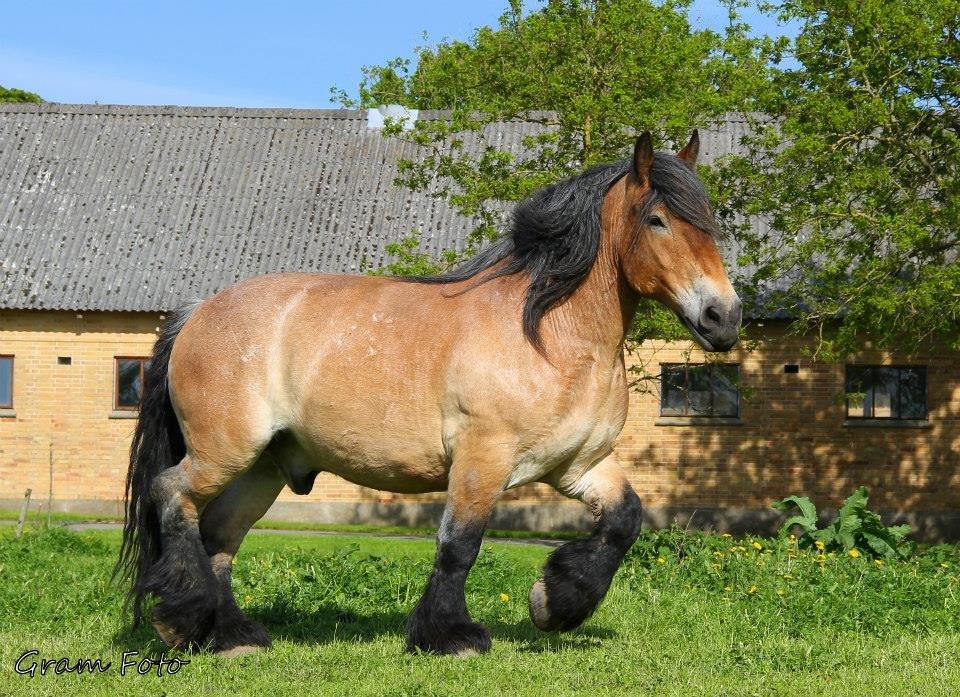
<point>692,149</point>
<point>643,156</point>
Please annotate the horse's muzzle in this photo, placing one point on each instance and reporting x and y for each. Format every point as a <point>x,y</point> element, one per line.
<point>718,325</point>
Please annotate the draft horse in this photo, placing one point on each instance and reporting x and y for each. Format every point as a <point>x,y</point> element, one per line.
<point>505,371</point>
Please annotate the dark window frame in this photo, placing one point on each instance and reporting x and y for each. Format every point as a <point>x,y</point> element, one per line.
<point>9,405</point>
<point>116,381</point>
<point>687,411</point>
<point>895,412</point>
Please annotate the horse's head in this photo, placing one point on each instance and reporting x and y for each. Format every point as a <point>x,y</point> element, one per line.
<point>669,250</point>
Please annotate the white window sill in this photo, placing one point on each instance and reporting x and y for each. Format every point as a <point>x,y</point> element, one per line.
<point>124,414</point>
<point>698,421</point>
<point>887,423</point>
<point>7,412</point>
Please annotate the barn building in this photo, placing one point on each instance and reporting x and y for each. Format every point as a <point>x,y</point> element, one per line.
<point>112,216</point>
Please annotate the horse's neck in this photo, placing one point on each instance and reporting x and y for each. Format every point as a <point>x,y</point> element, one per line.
<point>600,311</point>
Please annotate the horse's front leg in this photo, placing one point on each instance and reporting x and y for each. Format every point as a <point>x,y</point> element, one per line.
<point>578,574</point>
<point>441,623</point>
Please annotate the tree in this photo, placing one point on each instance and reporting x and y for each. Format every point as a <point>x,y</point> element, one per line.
<point>589,73</point>
<point>12,94</point>
<point>859,176</point>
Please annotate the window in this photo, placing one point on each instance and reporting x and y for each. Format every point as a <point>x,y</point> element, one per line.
<point>699,390</point>
<point>886,392</point>
<point>6,382</point>
<point>129,382</point>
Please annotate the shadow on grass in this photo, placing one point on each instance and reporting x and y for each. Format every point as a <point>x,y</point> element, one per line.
<point>529,639</point>
<point>328,624</point>
<point>339,624</point>
<point>334,623</point>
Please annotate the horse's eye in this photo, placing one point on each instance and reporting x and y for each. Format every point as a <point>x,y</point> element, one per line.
<point>655,221</point>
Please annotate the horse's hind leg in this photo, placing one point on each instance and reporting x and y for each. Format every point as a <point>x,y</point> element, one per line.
<point>181,578</point>
<point>578,574</point>
<point>223,525</point>
<point>441,623</point>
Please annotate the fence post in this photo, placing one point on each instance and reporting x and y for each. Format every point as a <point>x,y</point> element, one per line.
<point>50,488</point>
<point>23,512</point>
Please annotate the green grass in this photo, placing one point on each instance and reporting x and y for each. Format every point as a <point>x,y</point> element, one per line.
<point>336,607</point>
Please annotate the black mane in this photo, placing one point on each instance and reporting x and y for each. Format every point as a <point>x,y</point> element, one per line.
<point>555,232</point>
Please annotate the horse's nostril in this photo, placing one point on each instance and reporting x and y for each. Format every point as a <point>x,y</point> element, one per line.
<point>712,314</point>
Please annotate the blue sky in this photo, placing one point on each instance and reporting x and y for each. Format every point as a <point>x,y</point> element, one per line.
<point>286,53</point>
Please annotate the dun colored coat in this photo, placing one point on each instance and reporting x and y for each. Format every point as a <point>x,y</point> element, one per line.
<point>506,371</point>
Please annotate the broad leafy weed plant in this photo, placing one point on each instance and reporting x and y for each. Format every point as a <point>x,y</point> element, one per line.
<point>856,528</point>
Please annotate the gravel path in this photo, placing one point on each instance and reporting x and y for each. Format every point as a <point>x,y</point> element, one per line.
<point>78,527</point>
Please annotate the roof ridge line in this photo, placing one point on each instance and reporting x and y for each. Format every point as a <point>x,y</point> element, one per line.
<point>173,110</point>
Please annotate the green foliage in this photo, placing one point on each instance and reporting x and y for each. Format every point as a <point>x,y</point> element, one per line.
<point>408,260</point>
<point>856,527</point>
<point>860,175</point>
<point>806,519</point>
<point>12,94</point>
<point>586,75</point>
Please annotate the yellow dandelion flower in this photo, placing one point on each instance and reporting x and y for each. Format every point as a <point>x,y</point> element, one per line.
<point>661,560</point>
<point>753,589</point>
<point>788,577</point>
<point>781,592</point>
<point>757,546</point>
<point>718,554</point>
<point>878,562</point>
<point>819,544</point>
<point>727,589</point>
<point>944,565</point>
<point>820,558</point>
<point>726,535</point>
<point>793,538</point>
<point>715,567</point>
<point>854,552</point>
<point>504,597</point>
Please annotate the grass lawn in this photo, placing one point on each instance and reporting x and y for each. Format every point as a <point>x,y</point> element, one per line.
<point>687,615</point>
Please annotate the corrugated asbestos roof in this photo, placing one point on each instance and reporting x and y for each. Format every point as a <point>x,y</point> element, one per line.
<point>144,208</point>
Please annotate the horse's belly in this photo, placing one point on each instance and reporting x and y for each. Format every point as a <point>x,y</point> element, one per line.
<point>400,477</point>
<point>375,461</point>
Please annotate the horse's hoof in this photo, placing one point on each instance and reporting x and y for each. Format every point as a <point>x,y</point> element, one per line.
<point>170,636</point>
<point>462,640</point>
<point>237,651</point>
<point>239,636</point>
<point>539,612</point>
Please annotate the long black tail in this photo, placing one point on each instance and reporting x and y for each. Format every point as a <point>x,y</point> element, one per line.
<point>157,445</point>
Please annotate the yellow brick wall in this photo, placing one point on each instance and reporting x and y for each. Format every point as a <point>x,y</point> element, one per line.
<point>65,409</point>
<point>792,438</point>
